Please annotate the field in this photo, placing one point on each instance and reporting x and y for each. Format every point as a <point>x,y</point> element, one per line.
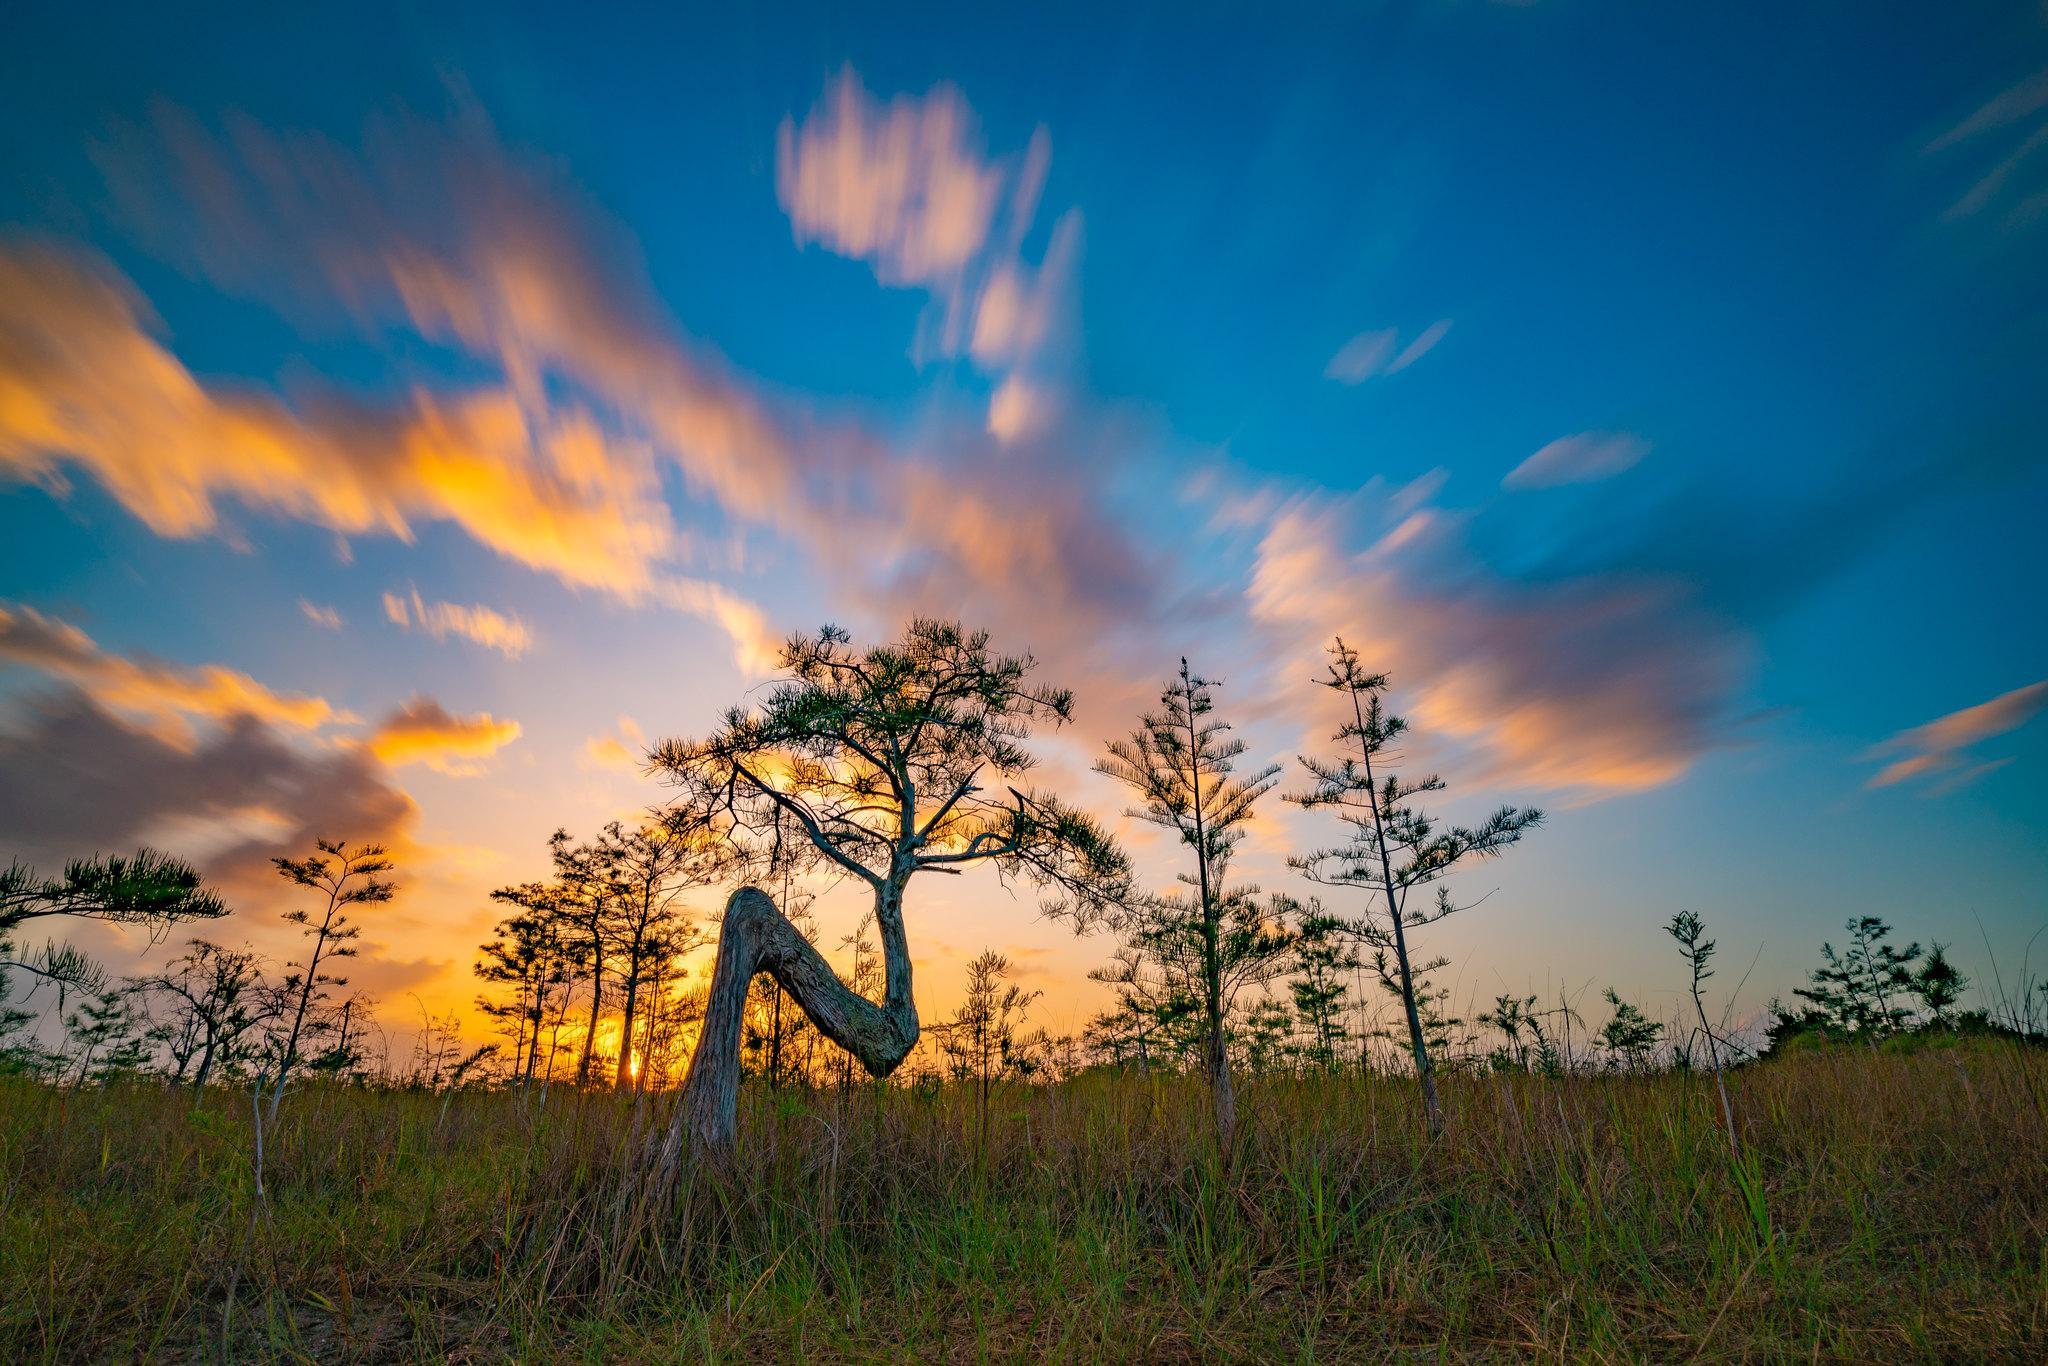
<point>1885,1206</point>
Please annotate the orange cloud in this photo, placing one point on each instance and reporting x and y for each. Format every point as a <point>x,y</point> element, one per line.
<point>83,383</point>
<point>1937,745</point>
<point>165,693</point>
<point>423,731</point>
<point>485,626</point>
<point>326,618</point>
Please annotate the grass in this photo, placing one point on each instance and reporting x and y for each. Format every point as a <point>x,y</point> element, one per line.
<point>1886,1206</point>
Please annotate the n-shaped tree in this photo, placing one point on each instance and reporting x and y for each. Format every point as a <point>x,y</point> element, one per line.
<point>877,764</point>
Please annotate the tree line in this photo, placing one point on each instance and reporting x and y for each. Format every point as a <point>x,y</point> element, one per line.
<point>869,768</point>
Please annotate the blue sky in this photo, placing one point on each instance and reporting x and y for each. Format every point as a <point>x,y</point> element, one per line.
<point>1655,389</point>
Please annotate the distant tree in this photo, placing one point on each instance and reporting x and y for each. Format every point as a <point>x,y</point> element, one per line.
<point>1265,1037</point>
<point>581,902</point>
<point>1323,953</point>
<point>1939,985</point>
<point>981,1041</point>
<point>106,1035</point>
<point>783,1041</point>
<point>1209,942</point>
<point>883,758</point>
<point>1856,990</point>
<point>1629,1036</point>
<point>526,962</point>
<point>648,870</point>
<point>212,1005</point>
<point>340,879</point>
<point>1393,849</point>
<point>1697,950</point>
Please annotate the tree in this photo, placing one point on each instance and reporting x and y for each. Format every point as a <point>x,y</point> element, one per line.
<point>1939,985</point>
<point>882,758</point>
<point>1630,1036</point>
<point>647,871</point>
<point>150,889</point>
<point>527,961</point>
<point>1687,928</point>
<point>1855,989</point>
<point>1211,941</point>
<point>980,1041</point>
<point>1393,848</point>
<point>341,879</point>
<point>1322,954</point>
<point>215,1003</point>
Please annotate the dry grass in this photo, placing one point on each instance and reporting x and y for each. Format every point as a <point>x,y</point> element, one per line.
<point>1887,1207</point>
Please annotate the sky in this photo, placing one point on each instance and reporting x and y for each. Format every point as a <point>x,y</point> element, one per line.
<point>406,419</point>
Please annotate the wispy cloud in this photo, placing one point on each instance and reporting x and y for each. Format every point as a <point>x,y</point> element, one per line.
<point>1381,353</point>
<point>485,626</point>
<point>167,694</point>
<point>2013,182</point>
<point>624,751</point>
<point>1582,459</point>
<point>326,618</point>
<point>1939,747</point>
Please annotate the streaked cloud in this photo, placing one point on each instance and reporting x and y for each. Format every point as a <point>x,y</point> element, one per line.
<point>84,384</point>
<point>2012,128</point>
<point>1582,459</point>
<point>326,618</point>
<point>485,626</point>
<point>1381,353</point>
<point>1939,747</point>
<point>1590,687</point>
<point>167,694</point>
<point>424,731</point>
<point>901,185</point>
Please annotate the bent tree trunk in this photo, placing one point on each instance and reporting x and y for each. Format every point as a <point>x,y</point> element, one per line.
<point>757,938</point>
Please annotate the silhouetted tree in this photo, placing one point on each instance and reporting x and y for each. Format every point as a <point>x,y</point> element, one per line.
<point>1939,985</point>
<point>882,758</point>
<point>340,878</point>
<point>1697,950</point>
<point>150,889</point>
<point>1629,1036</point>
<point>214,1005</point>
<point>1393,848</point>
<point>1855,990</point>
<point>648,870</point>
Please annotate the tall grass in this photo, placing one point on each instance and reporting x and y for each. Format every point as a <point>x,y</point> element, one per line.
<point>1883,1206</point>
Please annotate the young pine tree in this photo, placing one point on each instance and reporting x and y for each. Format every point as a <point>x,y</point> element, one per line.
<point>340,879</point>
<point>1393,848</point>
<point>1207,943</point>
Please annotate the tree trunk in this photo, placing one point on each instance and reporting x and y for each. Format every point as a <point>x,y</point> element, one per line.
<point>623,1076</point>
<point>1432,1108</point>
<point>757,938</point>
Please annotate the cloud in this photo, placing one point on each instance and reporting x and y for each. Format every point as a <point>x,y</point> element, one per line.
<point>83,383</point>
<point>2013,180</point>
<point>485,626</point>
<point>76,779</point>
<point>324,617</point>
<point>625,751</point>
<point>423,731</point>
<point>166,693</point>
<point>1374,353</point>
<point>1591,687</point>
<point>1582,459</point>
<point>902,185</point>
<point>1937,747</point>
<point>443,229</point>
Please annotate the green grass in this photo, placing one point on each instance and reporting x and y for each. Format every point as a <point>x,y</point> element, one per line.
<point>1886,1206</point>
